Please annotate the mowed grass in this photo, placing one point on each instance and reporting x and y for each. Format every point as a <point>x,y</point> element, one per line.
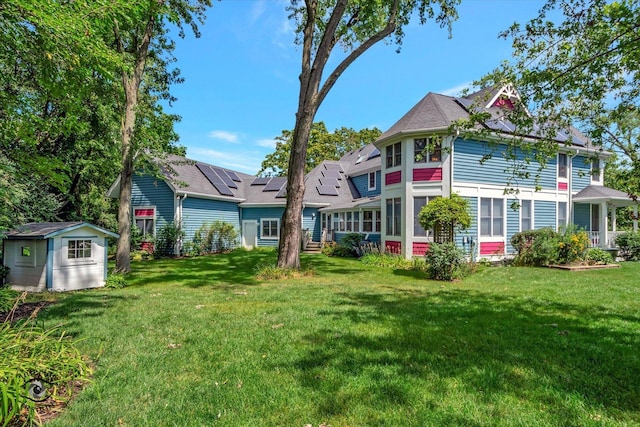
<point>202,342</point>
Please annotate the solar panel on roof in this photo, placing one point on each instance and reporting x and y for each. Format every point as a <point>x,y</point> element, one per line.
<point>225,178</point>
<point>214,179</point>
<point>375,153</point>
<point>330,181</point>
<point>332,174</point>
<point>275,184</point>
<point>261,180</point>
<point>233,176</point>
<point>327,190</point>
<point>332,166</point>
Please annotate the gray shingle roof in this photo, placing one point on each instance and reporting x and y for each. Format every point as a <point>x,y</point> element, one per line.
<point>600,192</point>
<point>43,230</point>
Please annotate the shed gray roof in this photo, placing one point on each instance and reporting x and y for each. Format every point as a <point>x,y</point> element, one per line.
<point>45,230</point>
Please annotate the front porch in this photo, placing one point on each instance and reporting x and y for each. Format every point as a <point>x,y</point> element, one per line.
<point>594,209</point>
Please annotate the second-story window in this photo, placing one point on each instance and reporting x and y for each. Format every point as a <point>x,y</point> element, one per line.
<point>394,155</point>
<point>372,180</point>
<point>562,165</point>
<point>595,170</point>
<point>426,150</point>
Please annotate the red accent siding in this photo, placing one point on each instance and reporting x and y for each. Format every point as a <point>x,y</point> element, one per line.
<point>563,186</point>
<point>143,212</point>
<point>392,247</point>
<point>491,248</point>
<point>427,174</point>
<point>420,248</point>
<point>393,178</point>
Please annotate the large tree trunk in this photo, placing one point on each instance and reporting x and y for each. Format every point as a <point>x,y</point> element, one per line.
<point>123,257</point>
<point>291,229</point>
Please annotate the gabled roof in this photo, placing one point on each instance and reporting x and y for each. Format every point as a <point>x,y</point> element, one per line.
<point>46,230</point>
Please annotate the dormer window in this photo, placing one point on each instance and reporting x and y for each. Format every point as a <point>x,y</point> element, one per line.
<point>426,150</point>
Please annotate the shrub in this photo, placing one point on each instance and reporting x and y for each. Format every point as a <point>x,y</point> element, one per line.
<point>597,256</point>
<point>167,239</point>
<point>116,281</point>
<point>4,272</point>
<point>219,236</point>
<point>353,241</point>
<point>387,261</point>
<point>141,255</point>
<point>535,247</point>
<point>572,245</point>
<point>629,244</point>
<point>445,261</point>
<point>337,249</point>
<point>444,215</point>
<point>35,364</point>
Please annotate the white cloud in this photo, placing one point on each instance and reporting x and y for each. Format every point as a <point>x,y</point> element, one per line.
<point>457,90</point>
<point>257,10</point>
<point>224,135</point>
<point>266,143</point>
<point>245,162</point>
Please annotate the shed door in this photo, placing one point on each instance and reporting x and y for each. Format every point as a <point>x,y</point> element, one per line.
<point>249,234</point>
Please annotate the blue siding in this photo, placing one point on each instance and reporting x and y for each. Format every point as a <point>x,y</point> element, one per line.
<point>582,215</point>
<point>257,214</point>
<point>544,214</point>
<point>361,182</point>
<point>472,231</point>
<point>311,221</point>
<point>581,173</point>
<point>196,212</point>
<point>513,223</point>
<point>150,191</point>
<point>467,167</point>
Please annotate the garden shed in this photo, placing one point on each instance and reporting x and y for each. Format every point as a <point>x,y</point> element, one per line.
<point>56,256</point>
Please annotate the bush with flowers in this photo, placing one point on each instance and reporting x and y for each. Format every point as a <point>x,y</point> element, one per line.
<point>546,247</point>
<point>573,246</point>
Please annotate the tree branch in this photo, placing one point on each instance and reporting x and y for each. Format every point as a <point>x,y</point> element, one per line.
<point>380,35</point>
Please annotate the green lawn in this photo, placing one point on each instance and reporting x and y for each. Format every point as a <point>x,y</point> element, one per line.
<point>202,342</point>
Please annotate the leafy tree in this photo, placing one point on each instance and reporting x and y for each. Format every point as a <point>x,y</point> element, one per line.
<point>444,215</point>
<point>355,25</point>
<point>323,145</point>
<point>577,62</point>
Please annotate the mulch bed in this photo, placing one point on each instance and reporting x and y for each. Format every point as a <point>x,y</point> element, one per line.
<point>23,311</point>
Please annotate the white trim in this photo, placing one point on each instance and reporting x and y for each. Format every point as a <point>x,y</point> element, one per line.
<point>531,213</point>
<point>262,236</point>
<point>154,217</point>
<point>64,251</point>
<point>375,180</point>
<point>244,225</point>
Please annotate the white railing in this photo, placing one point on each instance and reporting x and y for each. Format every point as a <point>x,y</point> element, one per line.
<point>611,238</point>
<point>594,238</point>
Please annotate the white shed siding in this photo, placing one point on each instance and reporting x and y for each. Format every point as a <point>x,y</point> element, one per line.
<point>80,273</point>
<point>26,274</point>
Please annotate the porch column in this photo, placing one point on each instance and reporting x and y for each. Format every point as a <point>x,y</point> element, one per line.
<point>604,226</point>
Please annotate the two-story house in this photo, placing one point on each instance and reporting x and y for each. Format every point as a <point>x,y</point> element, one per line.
<point>379,189</point>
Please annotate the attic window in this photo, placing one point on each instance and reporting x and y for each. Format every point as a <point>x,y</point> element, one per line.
<point>360,158</point>
<point>504,102</point>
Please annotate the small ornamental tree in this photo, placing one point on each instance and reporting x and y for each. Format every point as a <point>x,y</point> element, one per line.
<point>445,215</point>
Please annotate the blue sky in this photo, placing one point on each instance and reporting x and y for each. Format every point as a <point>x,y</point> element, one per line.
<point>241,77</point>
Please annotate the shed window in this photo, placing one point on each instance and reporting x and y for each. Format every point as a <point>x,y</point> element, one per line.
<point>77,249</point>
<point>26,251</point>
<point>270,228</point>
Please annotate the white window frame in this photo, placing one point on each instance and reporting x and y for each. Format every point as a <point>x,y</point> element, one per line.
<point>153,218</point>
<point>566,167</point>
<point>394,219</point>
<point>416,220</point>
<point>530,218</point>
<point>425,156</point>
<point>492,218</point>
<point>596,165</point>
<point>562,224</point>
<point>263,236</point>
<point>394,155</point>
<point>65,260</point>
<point>369,176</point>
